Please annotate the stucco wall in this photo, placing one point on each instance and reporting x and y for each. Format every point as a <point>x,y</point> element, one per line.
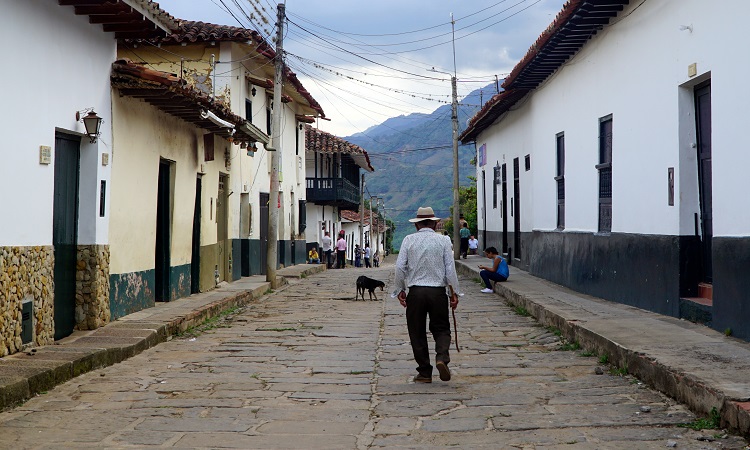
<point>78,57</point>
<point>144,135</point>
<point>637,71</point>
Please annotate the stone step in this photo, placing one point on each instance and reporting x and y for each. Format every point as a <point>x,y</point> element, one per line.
<point>696,309</point>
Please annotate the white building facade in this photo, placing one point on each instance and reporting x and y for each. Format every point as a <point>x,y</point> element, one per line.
<point>333,169</point>
<point>612,162</point>
<point>54,230</point>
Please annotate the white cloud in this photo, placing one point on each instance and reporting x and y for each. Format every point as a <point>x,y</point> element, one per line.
<point>354,106</point>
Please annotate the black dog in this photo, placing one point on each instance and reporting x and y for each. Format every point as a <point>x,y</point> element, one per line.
<point>363,283</point>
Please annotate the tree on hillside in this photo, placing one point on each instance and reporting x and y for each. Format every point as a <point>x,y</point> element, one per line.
<point>467,205</point>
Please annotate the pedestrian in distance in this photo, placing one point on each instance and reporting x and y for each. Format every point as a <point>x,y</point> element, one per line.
<point>425,269</point>
<point>357,256</point>
<point>464,233</point>
<point>367,255</point>
<point>327,243</point>
<point>341,252</point>
<point>473,245</point>
<point>498,272</point>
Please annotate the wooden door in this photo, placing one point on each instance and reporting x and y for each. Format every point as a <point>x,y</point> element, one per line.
<point>195,260</point>
<point>162,254</point>
<point>65,231</point>
<point>703,126</point>
<point>264,212</point>
<point>221,230</point>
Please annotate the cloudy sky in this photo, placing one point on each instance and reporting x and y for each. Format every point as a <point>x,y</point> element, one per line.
<point>368,60</point>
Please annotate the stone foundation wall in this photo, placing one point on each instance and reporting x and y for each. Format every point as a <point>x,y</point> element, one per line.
<point>92,287</point>
<point>26,273</point>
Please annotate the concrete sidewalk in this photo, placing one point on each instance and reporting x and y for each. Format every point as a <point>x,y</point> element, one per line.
<point>29,373</point>
<point>692,363</point>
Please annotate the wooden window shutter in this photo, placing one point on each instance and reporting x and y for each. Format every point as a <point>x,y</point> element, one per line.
<point>208,147</point>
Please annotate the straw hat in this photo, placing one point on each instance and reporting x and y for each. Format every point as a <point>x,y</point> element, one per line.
<point>424,213</point>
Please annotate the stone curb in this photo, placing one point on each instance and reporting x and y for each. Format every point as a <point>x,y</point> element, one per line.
<point>26,374</point>
<point>697,394</point>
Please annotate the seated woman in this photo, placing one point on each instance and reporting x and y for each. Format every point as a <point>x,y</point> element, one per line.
<point>313,257</point>
<point>498,272</point>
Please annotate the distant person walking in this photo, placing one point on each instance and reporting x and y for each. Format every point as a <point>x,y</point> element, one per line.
<point>425,268</point>
<point>357,256</point>
<point>341,252</point>
<point>464,233</point>
<point>497,272</point>
<point>327,245</point>
<point>367,255</point>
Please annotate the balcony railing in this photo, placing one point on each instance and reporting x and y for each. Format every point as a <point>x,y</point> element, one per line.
<point>333,192</point>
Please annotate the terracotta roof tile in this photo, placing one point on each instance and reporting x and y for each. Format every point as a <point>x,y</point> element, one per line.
<point>353,216</point>
<point>192,31</point>
<point>172,94</point>
<point>322,142</point>
<point>574,25</point>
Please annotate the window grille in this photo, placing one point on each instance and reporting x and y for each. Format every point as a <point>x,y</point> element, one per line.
<point>560,179</point>
<point>605,174</point>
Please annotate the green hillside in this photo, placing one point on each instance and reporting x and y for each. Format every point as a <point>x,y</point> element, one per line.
<point>413,160</point>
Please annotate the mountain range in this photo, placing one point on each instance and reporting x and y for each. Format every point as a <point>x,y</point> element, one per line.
<point>413,160</point>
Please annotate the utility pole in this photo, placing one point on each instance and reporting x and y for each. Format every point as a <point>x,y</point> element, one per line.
<point>454,119</point>
<point>362,213</point>
<point>454,116</point>
<point>371,233</point>
<point>385,230</point>
<point>273,207</point>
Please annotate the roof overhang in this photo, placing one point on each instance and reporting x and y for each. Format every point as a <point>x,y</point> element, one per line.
<point>490,112</point>
<point>173,96</point>
<point>196,32</point>
<point>322,142</point>
<point>128,19</point>
<point>573,27</point>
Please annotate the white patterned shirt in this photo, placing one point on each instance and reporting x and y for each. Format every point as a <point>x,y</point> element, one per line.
<point>425,259</point>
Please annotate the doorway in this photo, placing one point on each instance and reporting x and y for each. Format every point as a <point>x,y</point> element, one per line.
<point>264,211</point>
<point>163,256</point>
<point>703,128</point>
<point>504,204</point>
<point>65,230</point>
<point>221,229</point>
<point>195,259</point>
<point>517,209</point>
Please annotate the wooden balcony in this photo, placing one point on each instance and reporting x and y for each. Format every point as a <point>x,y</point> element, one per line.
<point>333,192</point>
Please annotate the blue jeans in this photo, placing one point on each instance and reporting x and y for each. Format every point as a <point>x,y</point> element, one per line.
<point>487,276</point>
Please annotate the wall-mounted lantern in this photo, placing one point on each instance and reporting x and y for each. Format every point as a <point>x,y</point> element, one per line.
<point>91,122</point>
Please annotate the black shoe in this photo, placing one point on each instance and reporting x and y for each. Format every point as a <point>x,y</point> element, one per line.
<point>422,379</point>
<point>445,373</point>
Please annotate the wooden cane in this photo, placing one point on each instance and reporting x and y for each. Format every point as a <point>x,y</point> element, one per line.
<point>455,329</point>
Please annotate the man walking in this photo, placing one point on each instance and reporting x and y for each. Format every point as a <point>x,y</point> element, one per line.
<point>425,268</point>
<point>341,252</point>
<point>327,248</point>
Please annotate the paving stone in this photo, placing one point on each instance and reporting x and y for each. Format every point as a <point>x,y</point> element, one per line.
<point>292,370</point>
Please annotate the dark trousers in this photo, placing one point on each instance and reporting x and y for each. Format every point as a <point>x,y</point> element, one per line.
<point>464,246</point>
<point>420,303</point>
<point>340,259</point>
<point>487,276</point>
<point>329,253</point>
<point>367,262</point>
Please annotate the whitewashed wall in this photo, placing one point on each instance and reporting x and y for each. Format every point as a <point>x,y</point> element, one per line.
<point>145,135</point>
<point>251,174</point>
<point>636,70</point>
<point>60,65</point>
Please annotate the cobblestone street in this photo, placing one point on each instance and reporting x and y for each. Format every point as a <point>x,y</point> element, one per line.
<point>309,367</point>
